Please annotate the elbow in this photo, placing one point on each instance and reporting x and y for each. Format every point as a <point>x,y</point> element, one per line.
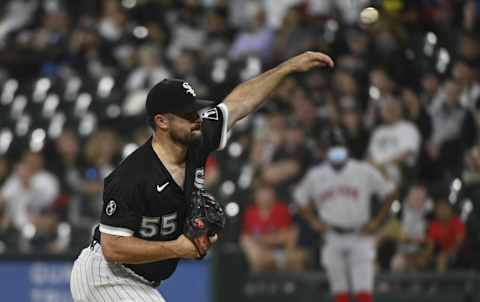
<point>111,249</point>
<point>110,254</point>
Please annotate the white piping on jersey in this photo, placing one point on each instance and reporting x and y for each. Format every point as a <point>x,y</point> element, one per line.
<point>116,231</point>
<point>224,135</point>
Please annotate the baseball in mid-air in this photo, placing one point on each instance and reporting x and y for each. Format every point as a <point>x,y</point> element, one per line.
<point>369,15</point>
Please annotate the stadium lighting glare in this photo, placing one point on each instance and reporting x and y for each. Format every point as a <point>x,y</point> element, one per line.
<point>457,184</point>
<point>87,124</point>
<point>396,206</point>
<point>228,187</point>
<point>37,140</point>
<point>374,92</point>
<point>232,209</point>
<point>50,105</point>
<point>23,125</point>
<point>235,149</point>
<point>105,86</point>
<point>6,138</point>
<point>128,149</point>
<point>41,88</point>
<point>431,38</point>
<point>129,4</point>
<point>71,90</point>
<point>443,60</point>
<point>56,125</point>
<point>8,92</point>
<point>18,106</point>
<point>83,102</point>
<point>29,231</point>
<point>141,32</point>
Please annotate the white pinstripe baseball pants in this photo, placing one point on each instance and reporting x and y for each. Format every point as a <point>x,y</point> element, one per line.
<point>94,279</point>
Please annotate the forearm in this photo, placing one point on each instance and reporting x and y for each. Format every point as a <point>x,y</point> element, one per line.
<point>248,96</point>
<point>132,250</point>
<point>387,204</point>
<point>308,215</point>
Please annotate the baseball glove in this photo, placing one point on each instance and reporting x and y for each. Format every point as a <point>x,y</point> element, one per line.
<point>206,219</point>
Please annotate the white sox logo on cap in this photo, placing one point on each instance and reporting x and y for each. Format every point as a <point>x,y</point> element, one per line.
<point>111,207</point>
<point>188,88</point>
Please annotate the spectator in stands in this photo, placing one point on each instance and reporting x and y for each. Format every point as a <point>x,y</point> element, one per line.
<point>410,254</point>
<point>17,14</point>
<point>345,89</point>
<point>257,39</point>
<point>185,67</point>
<point>355,134</point>
<point>29,195</point>
<point>101,153</point>
<point>112,25</point>
<point>293,35</point>
<point>416,112</point>
<point>67,165</point>
<point>219,33</point>
<point>445,236</point>
<point>471,17</point>
<point>453,132</point>
<point>150,70</point>
<point>471,173</point>
<point>269,237</point>
<point>381,88</point>
<point>88,55</point>
<point>464,75</point>
<point>430,86</point>
<point>348,11</point>
<point>186,27</point>
<point>305,112</point>
<point>4,170</point>
<point>394,144</point>
<point>471,193</point>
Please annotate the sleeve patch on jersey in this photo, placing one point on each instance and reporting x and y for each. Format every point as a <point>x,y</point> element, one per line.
<point>116,231</point>
<point>224,137</point>
<point>111,207</point>
<point>210,114</point>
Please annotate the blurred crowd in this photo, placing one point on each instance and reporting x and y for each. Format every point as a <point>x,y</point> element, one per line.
<point>405,93</point>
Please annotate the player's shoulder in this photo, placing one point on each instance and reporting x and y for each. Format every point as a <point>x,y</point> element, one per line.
<point>406,126</point>
<point>134,168</point>
<point>360,166</point>
<point>317,169</point>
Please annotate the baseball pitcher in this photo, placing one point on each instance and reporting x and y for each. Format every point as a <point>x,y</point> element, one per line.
<point>156,210</point>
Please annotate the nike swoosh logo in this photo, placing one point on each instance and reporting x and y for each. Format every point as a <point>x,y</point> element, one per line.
<point>160,189</point>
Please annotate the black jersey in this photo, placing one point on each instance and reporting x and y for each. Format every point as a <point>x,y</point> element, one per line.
<point>141,198</point>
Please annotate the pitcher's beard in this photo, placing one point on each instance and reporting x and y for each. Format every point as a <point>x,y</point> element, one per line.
<point>192,138</point>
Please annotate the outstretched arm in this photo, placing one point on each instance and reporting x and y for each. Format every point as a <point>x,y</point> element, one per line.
<point>248,96</point>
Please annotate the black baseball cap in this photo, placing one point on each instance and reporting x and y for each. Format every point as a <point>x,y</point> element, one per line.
<point>174,96</point>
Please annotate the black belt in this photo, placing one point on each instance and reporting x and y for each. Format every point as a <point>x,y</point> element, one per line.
<point>93,243</point>
<point>342,230</point>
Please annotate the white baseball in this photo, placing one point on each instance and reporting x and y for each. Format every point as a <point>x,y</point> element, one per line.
<point>369,15</point>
